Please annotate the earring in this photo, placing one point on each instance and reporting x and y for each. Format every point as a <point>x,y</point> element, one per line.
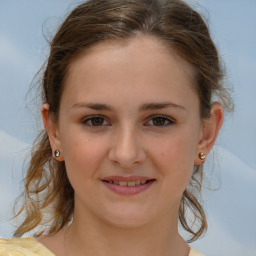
<point>202,156</point>
<point>56,153</point>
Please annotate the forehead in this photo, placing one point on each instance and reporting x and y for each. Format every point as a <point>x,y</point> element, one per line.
<point>142,65</point>
<point>145,46</point>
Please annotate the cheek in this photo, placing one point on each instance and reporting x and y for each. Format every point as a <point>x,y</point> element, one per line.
<point>175,159</point>
<point>82,155</point>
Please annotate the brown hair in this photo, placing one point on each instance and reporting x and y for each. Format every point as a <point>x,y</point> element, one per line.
<point>173,22</point>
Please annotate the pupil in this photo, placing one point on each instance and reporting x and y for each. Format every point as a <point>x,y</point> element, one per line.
<point>159,121</point>
<point>97,121</point>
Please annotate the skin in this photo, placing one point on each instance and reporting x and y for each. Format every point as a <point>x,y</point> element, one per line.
<point>128,140</point>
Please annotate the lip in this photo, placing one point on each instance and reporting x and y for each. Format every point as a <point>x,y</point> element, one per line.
<point>127,179</point>
<point>127,190</point>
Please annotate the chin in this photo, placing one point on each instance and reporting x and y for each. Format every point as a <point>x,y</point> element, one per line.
<point>126,218</point>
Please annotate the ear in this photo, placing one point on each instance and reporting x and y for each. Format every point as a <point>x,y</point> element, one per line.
<point>53,131</point>
<point>210,131</point>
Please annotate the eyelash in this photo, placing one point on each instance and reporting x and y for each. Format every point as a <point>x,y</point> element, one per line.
<point>102,118</point>
<point>90,118</point>
<point>163,118</point>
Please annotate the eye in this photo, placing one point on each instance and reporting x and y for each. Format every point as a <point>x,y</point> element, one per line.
<point>95,121</point>
<point>160,121</point>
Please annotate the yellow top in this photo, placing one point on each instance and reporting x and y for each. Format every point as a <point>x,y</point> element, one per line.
<point>29,246</point>
<point>23,247</point>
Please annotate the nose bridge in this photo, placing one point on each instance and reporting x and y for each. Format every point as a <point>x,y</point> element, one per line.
<point>126,149</point>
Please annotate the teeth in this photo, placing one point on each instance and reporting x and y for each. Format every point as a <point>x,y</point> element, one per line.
<point>129,183</point>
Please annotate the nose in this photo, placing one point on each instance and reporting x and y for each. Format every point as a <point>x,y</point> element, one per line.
<point>126,149</point>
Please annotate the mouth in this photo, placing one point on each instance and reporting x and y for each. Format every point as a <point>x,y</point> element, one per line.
<point>128,185</point>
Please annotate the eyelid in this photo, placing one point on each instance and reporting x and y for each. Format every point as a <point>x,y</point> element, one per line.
<point>171,121</point>
<point>88,118</point>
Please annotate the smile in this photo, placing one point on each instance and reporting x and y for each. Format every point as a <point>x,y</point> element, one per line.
<point>127,185</point>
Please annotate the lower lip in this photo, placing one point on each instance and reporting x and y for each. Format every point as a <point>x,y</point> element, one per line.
<point>126,190</point>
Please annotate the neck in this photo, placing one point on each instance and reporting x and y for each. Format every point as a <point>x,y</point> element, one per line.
<point>94,237</point>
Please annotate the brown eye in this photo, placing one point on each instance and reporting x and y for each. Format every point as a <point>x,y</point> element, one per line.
<point>160,121</point>
<point>95,121</point>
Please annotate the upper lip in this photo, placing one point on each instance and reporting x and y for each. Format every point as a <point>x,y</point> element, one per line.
<point>127,179</point>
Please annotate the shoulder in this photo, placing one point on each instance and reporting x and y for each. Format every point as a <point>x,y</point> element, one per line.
<point>193,252</point>
<point>22,247</point>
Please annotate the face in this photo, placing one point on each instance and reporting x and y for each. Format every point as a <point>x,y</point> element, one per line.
<point>129,131</point>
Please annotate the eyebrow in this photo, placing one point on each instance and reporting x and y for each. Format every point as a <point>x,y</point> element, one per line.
<point>155,106</point>
<point>94,106</point>
<point>143,107</point>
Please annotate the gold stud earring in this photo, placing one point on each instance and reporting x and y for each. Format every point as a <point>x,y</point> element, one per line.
<point>56,153</point>
<point>202,156</point>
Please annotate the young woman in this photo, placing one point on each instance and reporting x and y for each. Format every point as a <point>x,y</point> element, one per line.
<point>129,117</point>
